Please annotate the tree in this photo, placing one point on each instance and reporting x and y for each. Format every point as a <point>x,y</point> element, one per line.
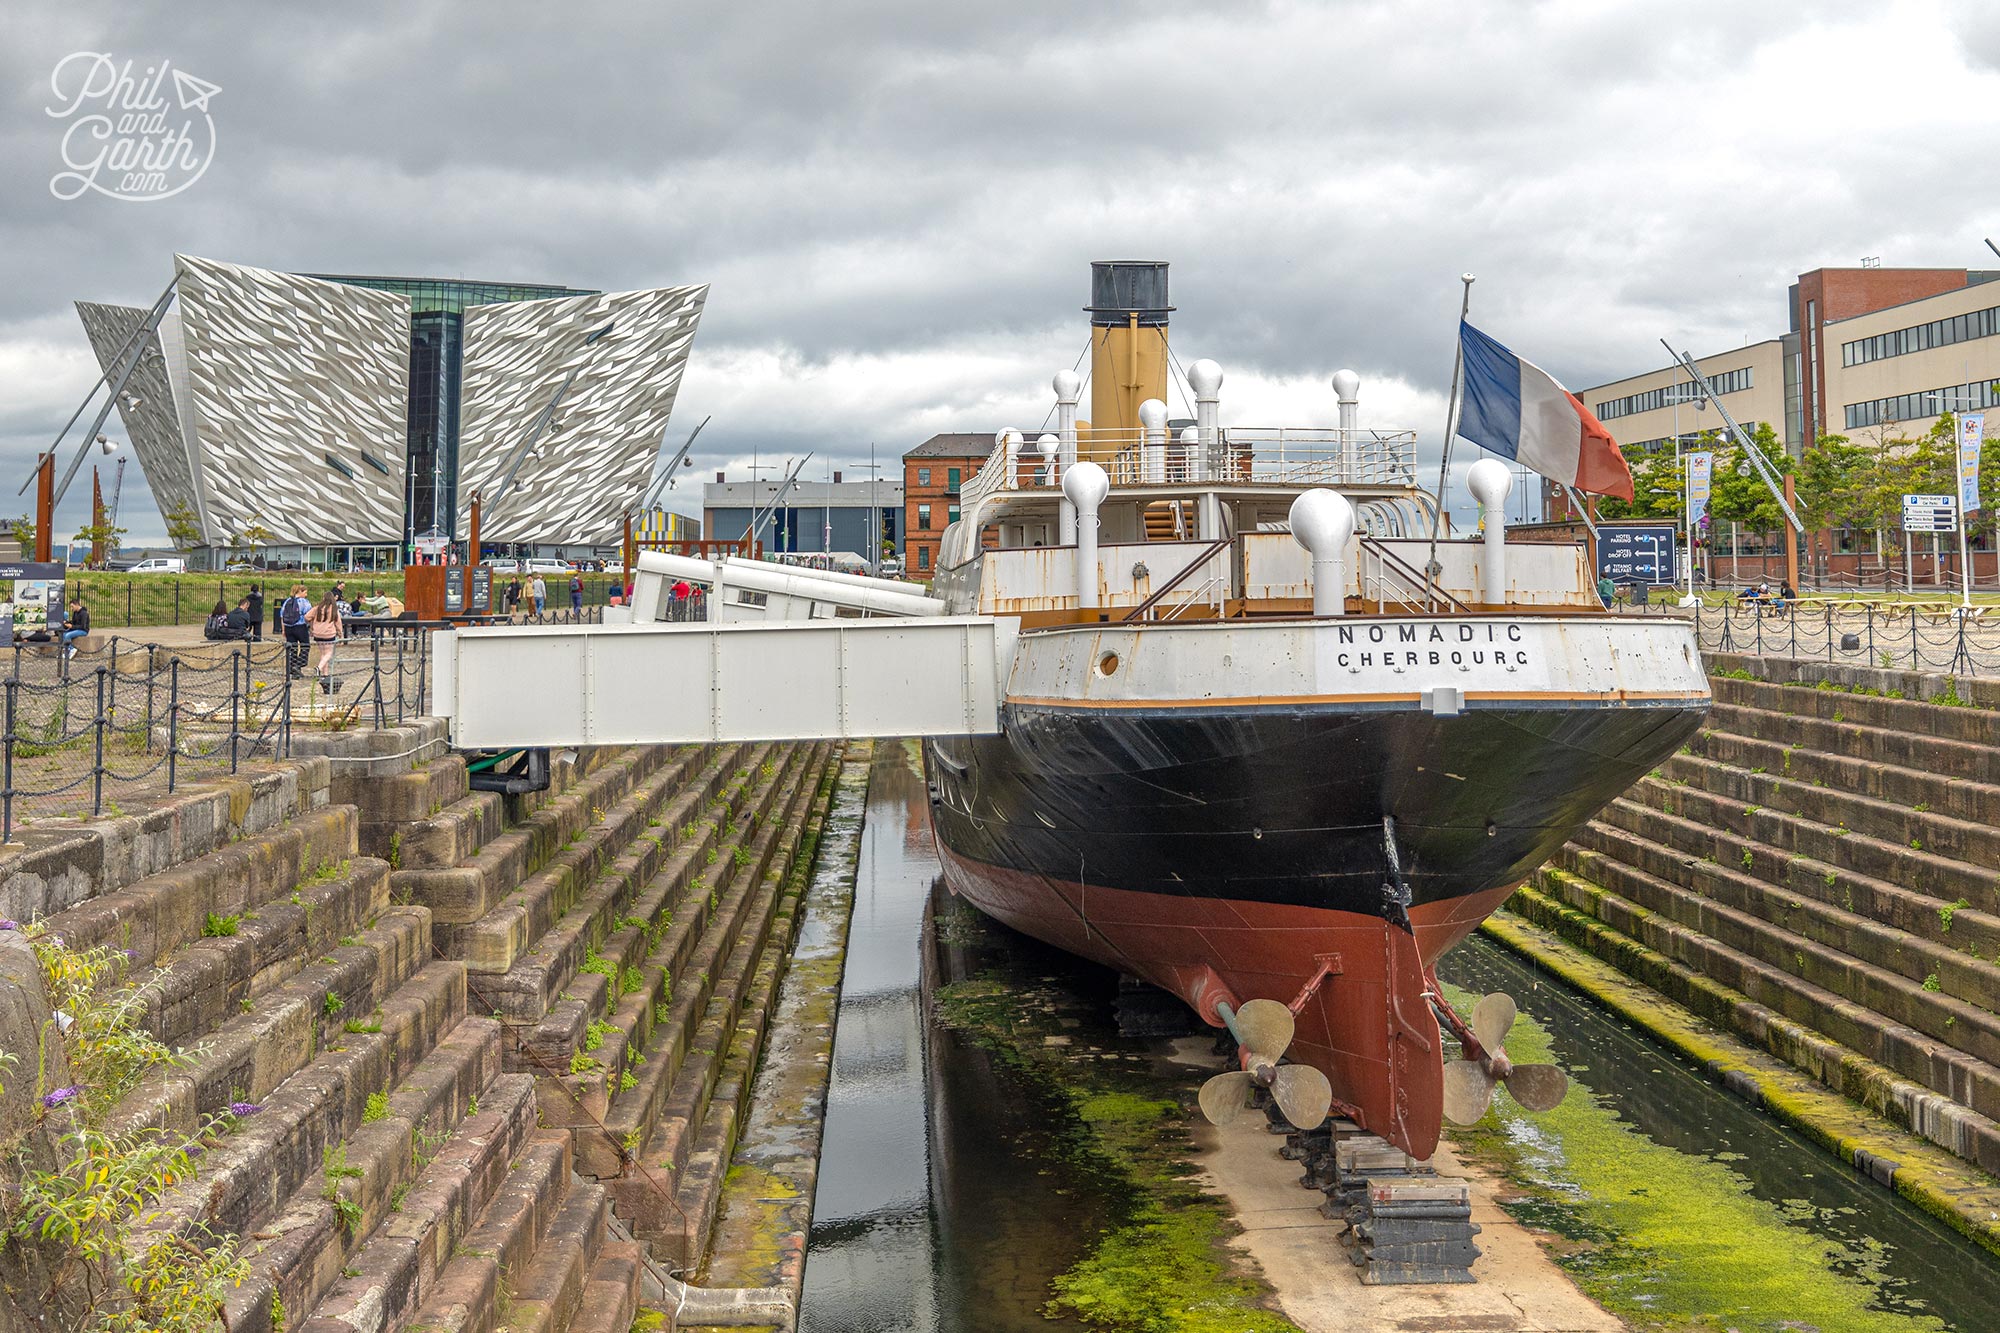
<point>1659,490</point>
<point>256,535</point>
<point>183,528</point>
<point>101,535</point>
<point>24,532</point>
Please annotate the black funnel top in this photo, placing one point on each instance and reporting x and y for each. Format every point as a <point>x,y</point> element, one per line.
<point>1121,288</point>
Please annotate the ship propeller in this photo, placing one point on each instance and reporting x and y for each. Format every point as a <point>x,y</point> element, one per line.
<point>1469,1084</point>
<point>1263,1029</point>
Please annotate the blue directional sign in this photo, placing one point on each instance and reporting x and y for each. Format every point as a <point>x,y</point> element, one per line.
<point>1636,553</point>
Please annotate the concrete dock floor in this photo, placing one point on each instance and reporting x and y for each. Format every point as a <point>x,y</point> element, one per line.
<point>1319,1288</point>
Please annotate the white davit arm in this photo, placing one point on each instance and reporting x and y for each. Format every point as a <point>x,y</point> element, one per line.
<point>775,592</point>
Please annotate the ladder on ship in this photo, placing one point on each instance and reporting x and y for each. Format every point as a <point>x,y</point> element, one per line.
<point>1168,521</point>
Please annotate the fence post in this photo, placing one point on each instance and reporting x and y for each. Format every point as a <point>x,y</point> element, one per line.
<point>97,769</point>
<point>7,791</point>
<point>235,705</point>
<point>1871,634</point>
<point>1916,654</point>
<point>128,602</point>
<point>1792,619</point>
<point>173,720</point>
<point>285,704</point>
<point>177,601</point>
<point>1829,632</point>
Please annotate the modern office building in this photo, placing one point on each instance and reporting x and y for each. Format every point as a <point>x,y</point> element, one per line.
<point>814,515</point>
<point>933,474</point>
<point>664,525</point>
<point>1867,352</point>
<point>346,421</point>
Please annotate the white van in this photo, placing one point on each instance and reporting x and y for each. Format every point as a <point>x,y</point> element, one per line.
<point>544,566</point>
<point>160,564</point>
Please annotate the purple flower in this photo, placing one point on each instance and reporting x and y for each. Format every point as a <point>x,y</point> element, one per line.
<point>8,923</point>
<point>61,1095</point>
<point>245,1108</point>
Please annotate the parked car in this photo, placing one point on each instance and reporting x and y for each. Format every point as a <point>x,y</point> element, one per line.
<point>161,564</point>
<point>544,565</point>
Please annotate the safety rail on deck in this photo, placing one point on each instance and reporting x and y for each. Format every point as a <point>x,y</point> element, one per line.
<point>1909,638</point>
<point>1266,455</point>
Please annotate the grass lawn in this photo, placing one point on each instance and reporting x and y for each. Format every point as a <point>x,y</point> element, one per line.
<point>118,601</point>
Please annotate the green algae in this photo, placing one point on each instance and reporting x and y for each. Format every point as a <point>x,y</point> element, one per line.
<point>1668,1240</point>
<point>1162,1264</point>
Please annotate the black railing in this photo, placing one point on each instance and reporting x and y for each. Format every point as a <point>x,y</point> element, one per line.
<point>1860,634</point>
<point>128,720</point>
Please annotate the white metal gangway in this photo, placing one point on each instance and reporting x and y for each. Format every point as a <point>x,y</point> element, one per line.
<point>789,654</point>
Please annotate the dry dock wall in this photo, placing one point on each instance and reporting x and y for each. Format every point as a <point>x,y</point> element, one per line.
<point>1818,873</point>
<point>494,1050</point>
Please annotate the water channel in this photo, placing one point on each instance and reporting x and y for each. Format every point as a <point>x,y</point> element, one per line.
<point>938,1212</point>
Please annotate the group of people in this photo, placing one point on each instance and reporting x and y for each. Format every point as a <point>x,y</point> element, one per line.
<point>538,593</point>
<point>1760,594</point>
<point>305,625</point>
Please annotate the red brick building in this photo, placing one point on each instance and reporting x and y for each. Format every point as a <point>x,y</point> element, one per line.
<point>933,474</point>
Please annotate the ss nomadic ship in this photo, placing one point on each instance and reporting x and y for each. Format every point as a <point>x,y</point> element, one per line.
<point>1263,739</point>
<point>1213,705</point>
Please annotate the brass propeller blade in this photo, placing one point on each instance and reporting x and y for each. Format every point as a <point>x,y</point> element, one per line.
<point>1303,1094</point>
<point>1223,1097</point>
<point>1538,1087</point>
<point>1264,1026</point>
<point>1491,1018</point>
<point>1468,1091</point>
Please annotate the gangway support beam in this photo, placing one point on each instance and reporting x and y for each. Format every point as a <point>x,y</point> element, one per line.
<point>566,685</point>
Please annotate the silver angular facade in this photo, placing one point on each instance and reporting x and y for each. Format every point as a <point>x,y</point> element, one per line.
<point>594,457</point>
<point>268,400</point>
<point>299,391</point>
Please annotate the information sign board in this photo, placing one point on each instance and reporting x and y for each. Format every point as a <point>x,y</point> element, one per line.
<point>1930,513</point>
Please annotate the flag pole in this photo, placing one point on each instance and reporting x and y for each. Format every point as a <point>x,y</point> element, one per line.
<point>1431,566</point>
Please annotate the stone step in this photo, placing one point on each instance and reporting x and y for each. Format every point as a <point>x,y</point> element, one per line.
<point>611,1295</point>
<point>698,1186</point>
<point>211,981</point>
<point>299,1255</point>
<point>549,1290</point>
<point>1861,1007</point>
<point>476,1287</point>
<point>702,963</point>
<point>1706,816</point>
<point>1960,797</point>
<point>154,916</point>
<point>1880,745</point>
<point>1916,717</point>
<point>390,801</point>
<point>631,836</point>
<point>1914,823</point>
<point>453,832</point>
<point>397,1268</point>
<point>1958,926</point>
<point>462,893</point>
<point>1677,962</point>
<point>251,1054</point>
<point>1756,888</point>
<point>629,897</point>
<point>249,1174</point>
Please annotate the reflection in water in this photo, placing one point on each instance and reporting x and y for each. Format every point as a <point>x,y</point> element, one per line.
<point>1916,1264</point>
<point>945,1221</point>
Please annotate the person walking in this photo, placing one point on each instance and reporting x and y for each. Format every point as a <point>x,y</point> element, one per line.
<point>540,592</point>
<point>513,595</point>
<point>255,603</point>
<point>298,634</point>
<point>79,623</point>
<point>324,628</point>
<point>576,593</point>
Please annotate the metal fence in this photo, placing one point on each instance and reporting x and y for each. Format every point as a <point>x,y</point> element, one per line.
<point>1864,634</point>
<point>130,719</point>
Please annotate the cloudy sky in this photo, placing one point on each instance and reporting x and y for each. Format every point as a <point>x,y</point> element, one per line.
<point>896,203</point>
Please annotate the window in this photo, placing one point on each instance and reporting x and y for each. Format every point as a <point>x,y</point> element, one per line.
<point>951,514</point>
<point>1915,406</point>
<point>923,476</point>
<point>1922,337</point>
<point>923,557</point>
<point>951,480</point>
<point>924,517</point>
<point>1728,381</point>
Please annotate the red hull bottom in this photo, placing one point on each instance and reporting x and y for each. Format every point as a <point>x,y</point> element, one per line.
<point>1368,1025</point>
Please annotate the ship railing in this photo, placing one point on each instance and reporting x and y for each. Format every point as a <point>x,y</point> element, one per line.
<point>1394,575</point>
<point>1269,455</point>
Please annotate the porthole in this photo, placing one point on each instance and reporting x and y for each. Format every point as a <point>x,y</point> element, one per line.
<point>1107,664</point>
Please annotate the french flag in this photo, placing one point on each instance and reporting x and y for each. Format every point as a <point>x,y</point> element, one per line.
<point>1514,408</point>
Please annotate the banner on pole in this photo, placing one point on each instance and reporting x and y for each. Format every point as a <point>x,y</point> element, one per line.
<point>1701,473</point>
<point>1971,435</point>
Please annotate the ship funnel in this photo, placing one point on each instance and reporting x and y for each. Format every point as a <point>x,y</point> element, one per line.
<point>1489,480</point>
<point>1128,350</point>
<point>1086,486</point>
<point>1323,523</point>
